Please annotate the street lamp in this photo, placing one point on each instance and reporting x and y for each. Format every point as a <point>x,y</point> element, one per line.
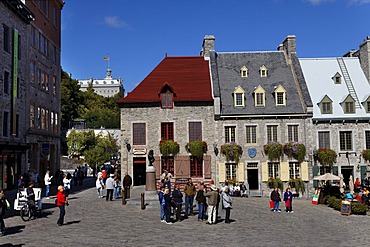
<point>128,147</point>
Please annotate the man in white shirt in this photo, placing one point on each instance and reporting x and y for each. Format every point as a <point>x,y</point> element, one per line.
<point>47,181</point>
<point>109,185</point>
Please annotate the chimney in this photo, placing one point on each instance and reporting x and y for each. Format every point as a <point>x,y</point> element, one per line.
<point>208,45</point>
<point>280,47</point>
<point>289,44</point>
<point>364,56</point>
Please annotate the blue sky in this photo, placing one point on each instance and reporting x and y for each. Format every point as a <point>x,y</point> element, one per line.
<point>137,35</point>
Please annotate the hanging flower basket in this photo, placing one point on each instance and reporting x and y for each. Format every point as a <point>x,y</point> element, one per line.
<point>366,154</point>
<point>298,184</point>
<point>169,147</point>
<point>295,150</point>
<point>274,150</point>
<point>232,151</point>
<point>275,183</point>
<point>196,148</point>
<point>326,156</point>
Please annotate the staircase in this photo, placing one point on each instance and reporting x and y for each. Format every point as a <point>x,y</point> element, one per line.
<point>348,81</point>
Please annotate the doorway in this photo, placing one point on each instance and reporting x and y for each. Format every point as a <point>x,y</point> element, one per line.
<point>253,179</point>
<point>139,176</point>
<point>347,171</point>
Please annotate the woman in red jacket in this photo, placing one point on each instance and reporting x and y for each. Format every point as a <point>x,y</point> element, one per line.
<point>61,202</point>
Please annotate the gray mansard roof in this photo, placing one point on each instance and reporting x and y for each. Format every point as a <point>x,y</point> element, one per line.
<point>226,76</point>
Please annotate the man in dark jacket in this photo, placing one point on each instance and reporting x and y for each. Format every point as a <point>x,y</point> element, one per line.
<point>127,182</point>
<point>202,203</point>
<point>275,197</point>
<point>189,191</point>
<point>31,198</point>
<point>177,197</point>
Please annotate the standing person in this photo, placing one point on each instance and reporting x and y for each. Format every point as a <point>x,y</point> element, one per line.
<point>67,184</point>
<point>190,192</point>
<point>177,197</point>
<point>61,201</point>
<point>47,181</point>
<point>99,185</point>
<point>167,205</point>
<point>21,183</point>
<point>31,199</point>
<point>201,199</point>
<point>3,207</point>
<point>117,187</point>
<point>161,203</point>
<point>227,204</point>
<point>166,179</point>
<point>104,175</point>
<point>288,199</point>
<point>275,197</point>
<point>127,182</point>
<point>109,185</point>
<point>212,203</point>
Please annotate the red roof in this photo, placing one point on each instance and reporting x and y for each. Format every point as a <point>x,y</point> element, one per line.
<point>188,77</point>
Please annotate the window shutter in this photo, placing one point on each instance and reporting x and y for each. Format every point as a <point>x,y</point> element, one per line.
<point>185,166</point>
<point>315,172</point>
<point>157,166</point>
<point>207,166</point>
<point>284,171</point>
<point>178,173</point>
<point>265,173</point>
<point>335,172</point>
<point>241,172</point>
<point>304,171</point>
<point>363,172</point>
<point>221,172</point>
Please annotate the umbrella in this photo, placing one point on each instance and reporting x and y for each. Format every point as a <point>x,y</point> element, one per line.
<point>341,187</point>
<point>351,185</point>
<point>327,176</point>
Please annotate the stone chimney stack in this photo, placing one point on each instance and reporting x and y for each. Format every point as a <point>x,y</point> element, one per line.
<point>289,44</point>
<point>208,45</point>
<point>364,56</point>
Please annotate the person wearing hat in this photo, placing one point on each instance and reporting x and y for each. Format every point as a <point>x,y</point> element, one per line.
<point>109,185</point>
<point>212,203</point>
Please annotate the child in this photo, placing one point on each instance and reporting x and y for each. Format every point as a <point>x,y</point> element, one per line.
<point>288,197</point>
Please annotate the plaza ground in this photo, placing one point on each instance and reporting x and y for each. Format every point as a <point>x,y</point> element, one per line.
<point>91,221</point>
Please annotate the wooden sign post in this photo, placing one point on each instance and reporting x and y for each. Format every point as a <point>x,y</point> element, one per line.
<point>345,208</point>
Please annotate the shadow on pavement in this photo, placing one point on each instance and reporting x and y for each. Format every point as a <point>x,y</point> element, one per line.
<point>11,245</point>
<point>73,222</point>
<point>13,230</point>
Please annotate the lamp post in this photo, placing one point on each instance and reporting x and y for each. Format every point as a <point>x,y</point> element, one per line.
<point>215,150</point>
<point>128,147</point>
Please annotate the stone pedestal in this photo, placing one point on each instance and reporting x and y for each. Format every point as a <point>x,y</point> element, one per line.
<point>150,182</point>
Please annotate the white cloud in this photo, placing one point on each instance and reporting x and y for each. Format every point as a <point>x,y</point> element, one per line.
<point>115,22</point>
<point>317,2</point>
<point>355,2</point>
<point>359,2</point>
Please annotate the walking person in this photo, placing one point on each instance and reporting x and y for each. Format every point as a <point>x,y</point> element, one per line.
<point>288,199</point>
<point>109,185</point>
<point>161,203</point>
<point>99,185</point>
<point>47,181</point>
<point>167,205</point>
<point>190,192</point>
<point>166,179</point>
<point>275,197</point>
<point>212,203</point>
<point>21,183</point>
<point>202,203</point>
<point>177,198</point>
<point>117,187</point>
<point>67,184</point>
<point>127,182</point>
<point>3,207</point>
<point>61,202</point>
<point>226,204</point>
<point>31,199</point>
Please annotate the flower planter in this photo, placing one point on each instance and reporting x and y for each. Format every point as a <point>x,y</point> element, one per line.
<point>366,154</point>
<point>295,150</point>
<point>196,148</point>
<point>169,147</point>
<point>232,151</point>
<point>274,150</point>
<point>298,184</point>
<point>326,156</point>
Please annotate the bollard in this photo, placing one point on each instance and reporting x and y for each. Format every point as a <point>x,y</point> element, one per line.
<point>123,197</point>
<point>142,201</point>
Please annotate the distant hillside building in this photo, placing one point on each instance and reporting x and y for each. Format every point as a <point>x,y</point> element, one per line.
<point>107,87</point>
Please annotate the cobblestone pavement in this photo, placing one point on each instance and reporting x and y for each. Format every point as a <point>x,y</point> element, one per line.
<point>91,221</point>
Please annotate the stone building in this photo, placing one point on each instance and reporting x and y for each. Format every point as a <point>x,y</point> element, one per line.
<point>340,93</point>
<point>174,102</point>
<point>259,98</point>
<point>107,87</point>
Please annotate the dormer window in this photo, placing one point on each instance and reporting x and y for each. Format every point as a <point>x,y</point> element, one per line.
<point>280,96</point>
<point>326,105</point>
<point>167,100</point>
<point>239,96</point>
<point>349,105</point>
<point>337,78</point>
<point>259,97</point>
<point>263,71</point>
<point>244,72</point>
<point>366,104</point>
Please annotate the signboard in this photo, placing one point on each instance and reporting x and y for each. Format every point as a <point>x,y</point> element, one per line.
<point>45,149</point>
<point>345,208</point>
<point>252,152</point>
<point>315,198</point>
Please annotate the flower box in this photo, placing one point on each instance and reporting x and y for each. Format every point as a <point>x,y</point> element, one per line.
<point>196,148</point>
<point>169,147</point>
<point>366,154</point>
<point>232,151</point>
<point>295,150</point>
<point>326,156</point>
<point>274,150</point>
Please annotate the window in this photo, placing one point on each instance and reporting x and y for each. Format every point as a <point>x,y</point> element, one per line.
<point>52,121</point>
<point>44,7</point>
<point>166,99</point>
<point>294,170</point>
<point>244,72</point>
<point>326,108</point>
<point>195,131</point>
<point>5,124</point>
<point>32,116</point>
<point>349,107</point>
<point>368,106</point>
<point>43,119</point>
<point>6,82</point>
<point>324,139</point>
<point>251,134</point>
<point>325,169</point>
<point>196,167</point>
<point>292,133</point>
<point>54,85</point>
<point>139,134</point>
<point>16,132</point>
<point>259,96</point>
<point>38,117</point>
<point>168,164</point>
<point>263,71</point>
<point>280,96</point>
<point>367,139</point>
<point>273,169</point>
<point>54,16</point>
<point>54,54</point>
<point>239,96</point>
<point>56,123</point>
<point>239,99</point>
<point>32,72</point>
<point>6,38</point>
<point>47,123</point>
<point>337,78</point>
<point>345,140</point>
<point>259,99</point>
<point>230,133</point>
<point>272,133</point>
<point>167,131</point>
<point>231,171</point>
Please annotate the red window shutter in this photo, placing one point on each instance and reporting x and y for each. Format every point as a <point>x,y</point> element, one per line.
<point>157,167</point>
<point>207,166</point>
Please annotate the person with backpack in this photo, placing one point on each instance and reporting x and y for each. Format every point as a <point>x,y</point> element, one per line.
<point>161,203</point>
<point>3,207</point>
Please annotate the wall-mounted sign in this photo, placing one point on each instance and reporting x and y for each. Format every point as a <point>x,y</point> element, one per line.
<point>139,150</point>
<point>252,152</point>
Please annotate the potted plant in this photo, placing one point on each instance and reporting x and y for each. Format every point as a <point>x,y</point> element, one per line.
<point>274,150</point>
<point>232,151</point>
<point>295,150</point>
<point>326,156</point>
<point>196,148</point>
<point>169,147</point>
<point>298,184</point>
<point>366,154</point>
<point>275,182</point>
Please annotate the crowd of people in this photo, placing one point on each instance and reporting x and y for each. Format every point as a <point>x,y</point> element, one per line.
<point>111,183</point>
